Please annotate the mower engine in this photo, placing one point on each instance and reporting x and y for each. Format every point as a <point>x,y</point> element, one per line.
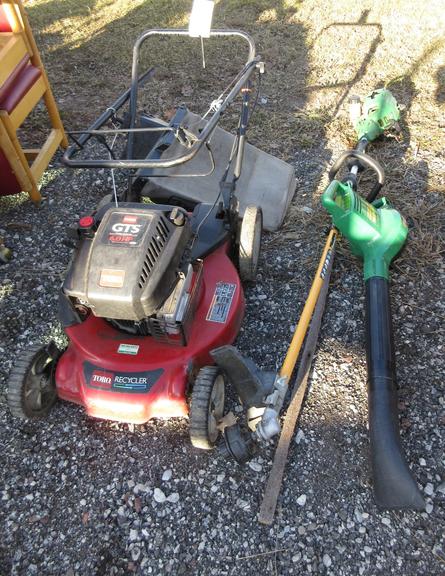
<point>132,268</point>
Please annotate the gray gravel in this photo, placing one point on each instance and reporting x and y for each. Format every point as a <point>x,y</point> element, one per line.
<point>87,497</point>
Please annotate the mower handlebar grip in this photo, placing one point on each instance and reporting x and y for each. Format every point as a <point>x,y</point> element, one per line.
<point>366,160</point>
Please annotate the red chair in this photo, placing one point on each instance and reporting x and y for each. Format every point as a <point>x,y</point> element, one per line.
<point>23,83</point>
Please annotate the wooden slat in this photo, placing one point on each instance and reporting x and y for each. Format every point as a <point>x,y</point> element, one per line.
<point>50,101</point>
<point>5,37</point>
<point>12,15</point>
<point>21,171</point>
<point>53,113</point>
<point>10,131</point>
<point>31,153</point>
<point>273,486</point>
<point>27,103</point>
<point>46,153</point>
<point>12,52</point>
<point>13,47</point>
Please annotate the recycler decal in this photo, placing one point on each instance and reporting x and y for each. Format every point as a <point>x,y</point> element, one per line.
<point>101,379</point>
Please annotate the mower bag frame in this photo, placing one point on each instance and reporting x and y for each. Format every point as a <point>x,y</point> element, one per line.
<point>131,94</point>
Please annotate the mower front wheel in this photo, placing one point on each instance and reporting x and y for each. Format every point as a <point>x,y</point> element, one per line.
<point>250,243</point>
<point>207,407</point>
<point>31,386</point>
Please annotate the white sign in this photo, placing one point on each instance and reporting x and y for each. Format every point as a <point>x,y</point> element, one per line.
<point>201,18</point>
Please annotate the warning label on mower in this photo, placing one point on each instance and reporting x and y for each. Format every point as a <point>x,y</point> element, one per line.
<point>132,349</point>
<point>221,302</point>
<point>101,379</point>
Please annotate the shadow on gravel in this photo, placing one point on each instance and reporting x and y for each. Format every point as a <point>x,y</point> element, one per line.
<point>72,500</point>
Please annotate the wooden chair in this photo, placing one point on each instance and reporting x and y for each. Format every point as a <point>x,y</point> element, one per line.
<point>23,83</point>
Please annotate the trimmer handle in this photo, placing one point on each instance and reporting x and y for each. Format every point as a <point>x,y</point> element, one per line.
<point>365,160</point>
<point>328,197</point>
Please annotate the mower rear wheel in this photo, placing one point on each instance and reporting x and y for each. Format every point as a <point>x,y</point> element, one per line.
<point>250,243</point>
<point>207,407</point>
<point>31,386</point>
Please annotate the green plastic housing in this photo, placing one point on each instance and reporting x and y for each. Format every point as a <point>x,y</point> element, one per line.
<point>376,232</point>
<point>379,112</point>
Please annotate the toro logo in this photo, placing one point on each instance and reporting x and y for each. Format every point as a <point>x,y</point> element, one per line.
<point>129,382</point>
<point>101,379</point>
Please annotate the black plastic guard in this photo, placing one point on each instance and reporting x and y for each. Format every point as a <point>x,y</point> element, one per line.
<point>238,445</point>
<point>251,384</point>
<point>68,315</point>
<point>394,485</point>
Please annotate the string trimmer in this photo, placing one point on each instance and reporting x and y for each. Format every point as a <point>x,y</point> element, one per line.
<point>378,114</point>
<point>263,393</point>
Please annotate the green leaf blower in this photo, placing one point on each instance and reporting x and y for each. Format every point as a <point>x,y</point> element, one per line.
<point>376,233</point>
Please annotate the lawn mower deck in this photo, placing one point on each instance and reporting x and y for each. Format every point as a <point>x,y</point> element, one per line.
<point>129,377</point>
<point>132,378</point>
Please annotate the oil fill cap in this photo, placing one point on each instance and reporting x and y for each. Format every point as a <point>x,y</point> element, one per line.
<point>177,217</point>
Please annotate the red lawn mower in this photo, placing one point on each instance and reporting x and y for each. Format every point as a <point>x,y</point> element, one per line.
<point>154,288</point>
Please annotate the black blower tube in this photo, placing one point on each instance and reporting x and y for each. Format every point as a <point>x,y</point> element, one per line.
<point>394,485</point>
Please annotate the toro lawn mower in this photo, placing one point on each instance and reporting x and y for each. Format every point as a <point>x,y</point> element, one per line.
<point>154,287</point>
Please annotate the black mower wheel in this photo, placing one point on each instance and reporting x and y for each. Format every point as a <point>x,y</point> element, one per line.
<point>250,243</point>
<point>207,407</point>
<point>31,386</point>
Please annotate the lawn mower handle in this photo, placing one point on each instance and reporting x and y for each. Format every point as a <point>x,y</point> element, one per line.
<point>104,117</point>
<point>367,161</point>
<point>134,78</point>
<point>131,163</point>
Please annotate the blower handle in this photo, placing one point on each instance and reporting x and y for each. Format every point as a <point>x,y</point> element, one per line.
<point>328,199</point>
<point>367,161</point>
<point>394,485</point>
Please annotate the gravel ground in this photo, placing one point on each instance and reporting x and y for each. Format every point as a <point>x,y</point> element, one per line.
<point>82,497</point>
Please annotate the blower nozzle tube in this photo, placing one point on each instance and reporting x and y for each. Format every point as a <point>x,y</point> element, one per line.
<point>394,485</point>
